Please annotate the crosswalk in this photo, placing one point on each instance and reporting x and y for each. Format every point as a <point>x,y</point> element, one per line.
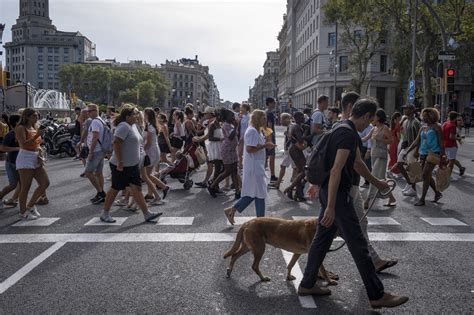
<point>239,220</point>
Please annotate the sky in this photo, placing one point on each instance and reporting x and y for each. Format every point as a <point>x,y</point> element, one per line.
<point>230,36</point>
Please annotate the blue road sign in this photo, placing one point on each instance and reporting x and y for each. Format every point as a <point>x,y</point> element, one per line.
<point>411,99</point>
<point>411,87</point>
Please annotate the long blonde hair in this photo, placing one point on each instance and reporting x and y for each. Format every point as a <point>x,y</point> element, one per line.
<point>255,118</point>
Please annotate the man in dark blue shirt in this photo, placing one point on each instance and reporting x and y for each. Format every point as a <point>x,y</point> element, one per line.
<point>270,102</point>
<point>10,145</point>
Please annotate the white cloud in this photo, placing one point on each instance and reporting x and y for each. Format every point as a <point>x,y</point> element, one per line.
<point>230,36</point>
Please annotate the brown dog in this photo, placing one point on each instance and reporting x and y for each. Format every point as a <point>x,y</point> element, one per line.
<point>291,235</point>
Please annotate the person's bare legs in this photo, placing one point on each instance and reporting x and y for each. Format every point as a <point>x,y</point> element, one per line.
<point>26,176</point>
<point>42,179</point>
<point>91,176</point>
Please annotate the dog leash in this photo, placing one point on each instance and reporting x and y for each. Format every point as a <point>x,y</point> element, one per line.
<point>380,194</point>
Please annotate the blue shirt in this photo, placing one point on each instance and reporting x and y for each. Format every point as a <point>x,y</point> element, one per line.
<point>10,141</point>
<point>429,141</point>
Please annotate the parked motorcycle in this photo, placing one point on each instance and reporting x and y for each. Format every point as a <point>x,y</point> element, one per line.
<point>56,138</point>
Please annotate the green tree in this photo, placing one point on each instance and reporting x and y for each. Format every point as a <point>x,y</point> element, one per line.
<point>361,25</point>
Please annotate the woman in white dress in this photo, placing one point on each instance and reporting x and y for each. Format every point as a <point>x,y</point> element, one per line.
<point>254,182</point>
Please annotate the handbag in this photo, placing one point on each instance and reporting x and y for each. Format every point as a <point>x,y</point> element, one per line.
<point>200,155</point>
<point>433,158</point>
<point>415,172</point>
<point>443,176</point>
<point>42,156</point>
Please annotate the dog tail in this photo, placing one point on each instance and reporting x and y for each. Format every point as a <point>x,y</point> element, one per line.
<point>238,241</point>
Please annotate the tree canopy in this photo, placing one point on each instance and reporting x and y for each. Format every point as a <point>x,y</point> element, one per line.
<point>103,85</point>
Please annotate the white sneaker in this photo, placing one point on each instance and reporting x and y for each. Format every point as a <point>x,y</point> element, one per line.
<point>410,192</point>
<point>28,216</point>
<point>405,189</point>
<point>34,211</point>
<point>120,203</point>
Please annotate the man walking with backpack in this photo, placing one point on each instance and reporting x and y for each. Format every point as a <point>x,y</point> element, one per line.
<point>95,159</point>
<point>342,160</point>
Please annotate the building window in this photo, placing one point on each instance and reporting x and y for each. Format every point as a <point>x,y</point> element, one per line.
<point>50,67</point>
<point>40,85</point>
<point>66,50</point>
<point>40,50</point>
<point>383,63</point>
<point>50,58</point>
<point>50,50</point>
<point>343,64</point>
<point>332,39</point>
<point>40,58</point>
<point>56,50</point>
<point>40,67</point>
<point>358,35</point>
<point>40,75</point>
<point>50,85</point>
<point>56,67</point>
<point>66,58</point>
<point>50,76</point>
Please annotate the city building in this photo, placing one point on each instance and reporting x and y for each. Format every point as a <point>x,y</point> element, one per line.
<point>214,95</point>
<point>266,85</point>
<point>38,49</point>
<point>311,66</point>
<point>189,83</point>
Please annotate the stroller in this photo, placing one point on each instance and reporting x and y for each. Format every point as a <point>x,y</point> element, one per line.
<point>187,162</point>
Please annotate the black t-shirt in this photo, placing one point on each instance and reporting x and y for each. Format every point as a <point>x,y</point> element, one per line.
<point>77,128</point>
<point>10,141</point>
<point>271,122</point>
<point>344,138</point>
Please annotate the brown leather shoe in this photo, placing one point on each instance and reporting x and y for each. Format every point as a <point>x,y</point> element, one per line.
<point>389,300</point>
<point>313,291</point>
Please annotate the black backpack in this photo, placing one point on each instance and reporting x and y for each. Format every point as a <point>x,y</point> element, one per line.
<point>317,164</point>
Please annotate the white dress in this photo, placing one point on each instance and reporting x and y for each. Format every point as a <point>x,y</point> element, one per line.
<point>214,147</point>
<point>254,181</point>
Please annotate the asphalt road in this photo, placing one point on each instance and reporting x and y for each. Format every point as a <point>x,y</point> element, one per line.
<point>66,266</point>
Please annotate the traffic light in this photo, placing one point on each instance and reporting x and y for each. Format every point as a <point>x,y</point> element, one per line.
<point>449,80</point>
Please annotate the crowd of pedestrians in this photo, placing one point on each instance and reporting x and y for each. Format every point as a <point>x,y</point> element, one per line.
<point>239,144</point>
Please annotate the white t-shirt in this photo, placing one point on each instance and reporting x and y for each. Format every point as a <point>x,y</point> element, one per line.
<point>318,118</point>
<point>97,125</point>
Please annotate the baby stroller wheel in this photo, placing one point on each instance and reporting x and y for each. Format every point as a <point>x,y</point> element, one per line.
<point>188,184</point>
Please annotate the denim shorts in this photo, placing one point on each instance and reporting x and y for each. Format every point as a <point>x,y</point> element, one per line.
<point>12,173</point>
<point>97,162</point>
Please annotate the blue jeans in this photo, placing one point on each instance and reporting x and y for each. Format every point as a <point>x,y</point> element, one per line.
<point>245,201</point>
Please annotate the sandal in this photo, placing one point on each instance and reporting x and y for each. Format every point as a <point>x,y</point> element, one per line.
<point>289,193</point>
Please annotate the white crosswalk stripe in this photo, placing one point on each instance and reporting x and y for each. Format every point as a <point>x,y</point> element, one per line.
<point>37,222</point>
<point>175,221</point>
<point>382,221</point>
<point>96,222</point>
<point>444,221</point>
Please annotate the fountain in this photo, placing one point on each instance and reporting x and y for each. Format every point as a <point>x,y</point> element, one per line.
<point>52,103</point>
<point>51,100</point>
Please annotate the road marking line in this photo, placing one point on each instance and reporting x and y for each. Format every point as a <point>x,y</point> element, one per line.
<point>17,276</point>
<point>37,222</point>
<point>372,220</point>
<point>382,221</point>
<point>303,217</point>
<point>175,221</point>
<point>96,221</point>
<point>444,221</point>
<point>240,220</point>
<point>210,237</point>
<point>305,301</point>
